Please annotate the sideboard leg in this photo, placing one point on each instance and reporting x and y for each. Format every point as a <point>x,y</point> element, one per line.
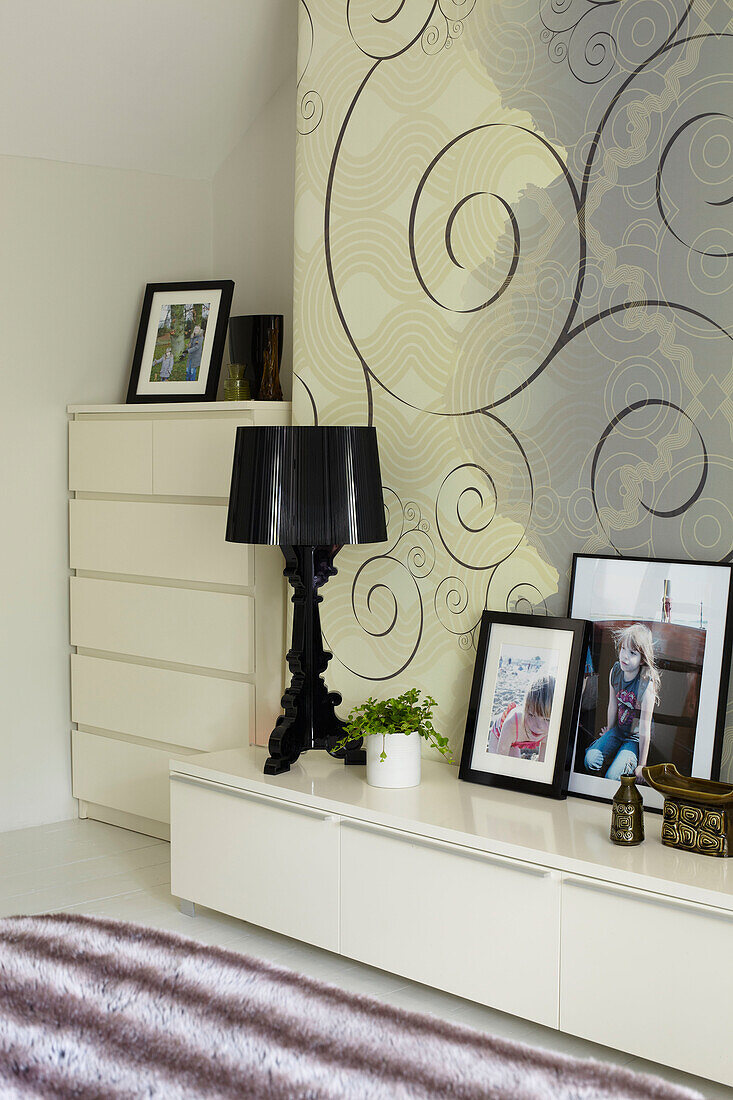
<point>188,908</point>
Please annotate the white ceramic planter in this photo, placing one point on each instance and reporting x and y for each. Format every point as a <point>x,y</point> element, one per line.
<point>402,766</point>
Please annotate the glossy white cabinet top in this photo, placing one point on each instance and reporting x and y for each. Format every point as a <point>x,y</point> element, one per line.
<point>570,836</point>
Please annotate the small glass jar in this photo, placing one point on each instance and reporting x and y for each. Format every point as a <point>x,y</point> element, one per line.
<point>236,386</point>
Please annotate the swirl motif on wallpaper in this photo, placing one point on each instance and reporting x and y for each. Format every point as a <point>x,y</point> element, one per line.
<point>574,305</point>
<point>386,598</point>
<point>633,478</point>
<point>447,25</point>
<point>466,506</point>
<point>502,279</point>
<point>525,599</point>
<point>701,149</point>
<point>436,24</point>
<point>451,600</point>
<point>572,34</point>
<point>384,38</point>
<point>310,104</point>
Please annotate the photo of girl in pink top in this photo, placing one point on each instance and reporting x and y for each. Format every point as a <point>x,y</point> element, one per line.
<point>521,729</point>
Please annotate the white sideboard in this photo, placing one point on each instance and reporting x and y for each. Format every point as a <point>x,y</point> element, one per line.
<point>177,635</point>
<point>517,902</point>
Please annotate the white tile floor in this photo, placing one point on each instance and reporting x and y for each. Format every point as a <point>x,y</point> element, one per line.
<point>87,867</point>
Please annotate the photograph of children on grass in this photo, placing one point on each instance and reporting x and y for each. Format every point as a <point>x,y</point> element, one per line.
<point>652,671</point>
<point>522,704</point>
<point>180,342</point>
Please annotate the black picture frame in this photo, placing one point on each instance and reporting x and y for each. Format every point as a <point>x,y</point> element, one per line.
<point>704,751</point>
<point>216,295</point>
<point>496,626</point>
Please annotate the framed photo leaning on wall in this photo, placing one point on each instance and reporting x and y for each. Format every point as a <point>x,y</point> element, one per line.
<point>180,341</point>
<point>656,670</point>
<point>523,709</point>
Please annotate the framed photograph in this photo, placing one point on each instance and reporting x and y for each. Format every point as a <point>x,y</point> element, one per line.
<point>523,710</point>
<point>180,341</point>
<point>656,670</point>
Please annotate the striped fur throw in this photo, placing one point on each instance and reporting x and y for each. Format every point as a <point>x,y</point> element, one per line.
<point>99,1009</point>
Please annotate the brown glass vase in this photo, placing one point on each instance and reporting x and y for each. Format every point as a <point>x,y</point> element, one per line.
<point>627,813</point>
<point>270,389</point>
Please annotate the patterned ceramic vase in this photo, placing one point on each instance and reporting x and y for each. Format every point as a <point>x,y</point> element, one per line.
<point>698,813</point>
<point>627,813</point>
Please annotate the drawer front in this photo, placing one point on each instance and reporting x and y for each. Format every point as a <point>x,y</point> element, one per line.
<point>649,976</point>
<point>258,859</point>
<point>194,457</point>
<point>402,896</point>
<point>159,704</point>
<point>181,541</point>
<point>119,774</point>
<point>182,625</point>
<point>111,456</point>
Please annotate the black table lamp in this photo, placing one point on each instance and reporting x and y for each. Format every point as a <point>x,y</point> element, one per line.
<point>309,491</point>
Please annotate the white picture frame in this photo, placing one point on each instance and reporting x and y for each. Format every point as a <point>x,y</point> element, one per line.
<point>691,644</point>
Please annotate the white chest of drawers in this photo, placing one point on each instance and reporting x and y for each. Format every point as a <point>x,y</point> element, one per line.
<point>520,903</point>
<point>178,636</point>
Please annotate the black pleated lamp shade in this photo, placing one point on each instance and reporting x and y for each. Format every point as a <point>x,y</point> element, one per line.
<point>306,486</point>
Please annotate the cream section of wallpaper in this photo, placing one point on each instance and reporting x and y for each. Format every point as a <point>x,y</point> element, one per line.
<point>403,613</point>
<point>479,266</point>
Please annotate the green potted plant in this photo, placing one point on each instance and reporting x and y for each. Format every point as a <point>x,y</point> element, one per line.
<point>395,762</point>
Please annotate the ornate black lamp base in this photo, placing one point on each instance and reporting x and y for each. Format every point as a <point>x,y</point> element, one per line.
<point>309,720</point>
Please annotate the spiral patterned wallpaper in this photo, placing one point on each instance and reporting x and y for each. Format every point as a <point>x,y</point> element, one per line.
<point>514,256</point>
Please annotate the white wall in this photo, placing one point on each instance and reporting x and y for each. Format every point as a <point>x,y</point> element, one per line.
<point>78,245</point>
<point>253,203</point>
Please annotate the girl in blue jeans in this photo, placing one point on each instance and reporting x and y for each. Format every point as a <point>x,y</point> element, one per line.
<point>623,745</point>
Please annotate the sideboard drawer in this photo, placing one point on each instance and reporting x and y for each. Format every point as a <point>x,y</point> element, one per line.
<point>121,775</point>
<point>181,625</point>
<point>649,975</point>
<point>148,539</point>
<point>194,457</point>
<point>403,895</point>
<point>111,456</point>
<point>263,860</point>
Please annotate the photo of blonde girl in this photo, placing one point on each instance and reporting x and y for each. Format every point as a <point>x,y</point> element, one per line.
<point>623,745</point>
<point>656,673</point>
<point>521,730</point>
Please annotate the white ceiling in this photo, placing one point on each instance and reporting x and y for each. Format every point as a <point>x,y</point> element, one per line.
<point>157,85</point>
